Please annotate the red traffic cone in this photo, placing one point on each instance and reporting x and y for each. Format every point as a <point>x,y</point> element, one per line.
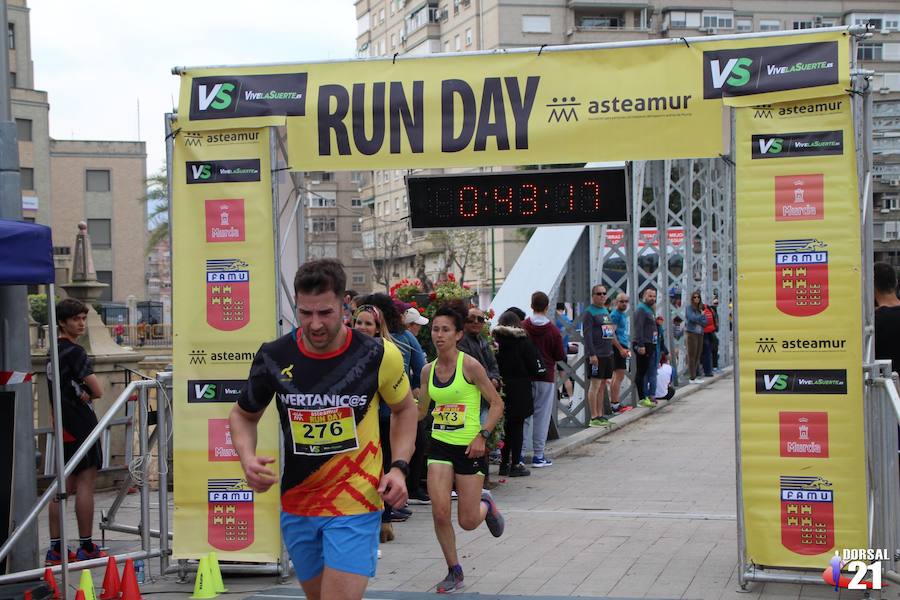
<point>129,588</point>
<point>79,595</point>
<point>51,583</point>
<point>111,582</point>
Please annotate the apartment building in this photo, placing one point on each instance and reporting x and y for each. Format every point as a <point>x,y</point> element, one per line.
<point>332,214</point>
<point>67,181</point>
<point>418,28</point>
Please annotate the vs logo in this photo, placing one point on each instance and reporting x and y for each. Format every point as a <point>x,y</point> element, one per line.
<point>777,382</point>
<point>770,145</point>
<point>735,72</point>
<point>218,390</point>
<point>216,97</point>
<point>201,171</point>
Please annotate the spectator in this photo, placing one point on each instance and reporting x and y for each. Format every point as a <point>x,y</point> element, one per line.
<point>887,315</point>
<point>119,331</point>
<point>413,361</point>
<point>696,321</point>
<point>664,389</point>
<point>563,323</point>
<point>709,332</point>
<point>414,320</point>
<point>78,387</point>
<point>599,333</point>
<point>714,337</point>
<point>370,320</point>
<point>519,363</point>
<point>546,338</point>
<point>349,306</point>
<point>142,332</point>
<point>475,345</point>
<point>621,352</point>
<point>646,336</point>
<point>657,357</point>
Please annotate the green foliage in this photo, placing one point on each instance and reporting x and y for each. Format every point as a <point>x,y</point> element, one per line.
<point>157,202</point>
<point>37,306</point>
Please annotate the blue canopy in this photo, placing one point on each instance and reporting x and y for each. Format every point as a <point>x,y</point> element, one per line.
<point>26,253</point>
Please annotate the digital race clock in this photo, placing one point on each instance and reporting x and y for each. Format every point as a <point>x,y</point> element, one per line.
<point>517,198</point>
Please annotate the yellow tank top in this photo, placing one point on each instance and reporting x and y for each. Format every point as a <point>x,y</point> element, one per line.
<point>457,407</point>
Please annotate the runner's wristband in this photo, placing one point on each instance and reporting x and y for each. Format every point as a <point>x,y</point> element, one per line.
<point>402,465</point>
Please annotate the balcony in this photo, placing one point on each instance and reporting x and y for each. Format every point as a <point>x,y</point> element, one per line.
<point>609,4</point>
<point>421,25</point>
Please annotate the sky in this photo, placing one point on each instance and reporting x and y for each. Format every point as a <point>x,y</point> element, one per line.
<point>99,59</point>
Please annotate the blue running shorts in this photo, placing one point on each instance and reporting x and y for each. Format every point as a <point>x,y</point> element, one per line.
<point>345,543</point>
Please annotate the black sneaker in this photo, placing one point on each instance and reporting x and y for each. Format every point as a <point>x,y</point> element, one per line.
<point>519,471</point>
<point>419,498</point>
<point>504,469</point>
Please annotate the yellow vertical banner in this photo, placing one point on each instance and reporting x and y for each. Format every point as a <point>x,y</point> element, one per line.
<point>800,332</point>
<point>224,308</point>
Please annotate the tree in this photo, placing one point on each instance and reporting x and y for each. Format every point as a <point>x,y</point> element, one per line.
<point>462,249</point>
<point>386,253</point>
<point>156,201</point>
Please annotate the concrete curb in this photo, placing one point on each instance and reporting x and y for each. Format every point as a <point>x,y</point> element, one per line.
<point>569,443</point>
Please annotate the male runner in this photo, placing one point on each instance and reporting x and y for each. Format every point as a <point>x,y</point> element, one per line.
<point>328,383</point>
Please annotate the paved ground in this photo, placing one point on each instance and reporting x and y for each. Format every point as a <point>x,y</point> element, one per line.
<point>645,511</point>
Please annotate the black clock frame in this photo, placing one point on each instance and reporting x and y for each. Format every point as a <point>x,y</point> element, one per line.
<point>528,198</point>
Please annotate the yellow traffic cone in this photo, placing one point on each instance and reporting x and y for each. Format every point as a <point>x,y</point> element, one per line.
<point>87,585</point>
<point>203,587</point>
<point>216,574</point>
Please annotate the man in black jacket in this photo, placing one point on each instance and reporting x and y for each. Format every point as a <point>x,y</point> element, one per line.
<point>644,340</point>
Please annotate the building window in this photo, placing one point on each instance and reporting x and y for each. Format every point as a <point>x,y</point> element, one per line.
<point>447,46</point>
<point>468,36</point>
<point>393,41</point>
<point>26,178</point>
<point>890,202</point>
<point>536,24</point>
<point>717,20</point>
<point>13,80</point>
<point>11,36</point>
<point>356,202</point>
<point>323,224</point>
<point>359,278</point>
<point>892,24</point>
<point>802,25</point>
<point>679,19</point>
<point>100,231</point>
<point>381,16</point>
<point>456,43</point>
<point>97,180</point>
<point>356,227</point>
<point>106,277</point>
<point>744,25</point>
<point>869,51</point>
<point>23,130</point>
<point>769,25</point>
<point>322,200</point>
<point>600,22</point>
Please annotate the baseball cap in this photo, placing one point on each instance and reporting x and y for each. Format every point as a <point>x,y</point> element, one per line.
<point>412,315</point>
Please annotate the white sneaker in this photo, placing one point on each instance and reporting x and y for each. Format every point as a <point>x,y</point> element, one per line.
<point>699,380</point>
<point>379,553</point>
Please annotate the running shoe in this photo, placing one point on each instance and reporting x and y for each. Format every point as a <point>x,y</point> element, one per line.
<point>452,582</point>
<point>419,498</point>
<point>88,554</point>
<point>55,558</point>
<point>493,518</point>
<point>402,511</point>
<point>539,462</point>
<point>519,471</point>
<point>599,422</point>
<point>504,470</point>
<point>379,553</point>
<point>646,403</point>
